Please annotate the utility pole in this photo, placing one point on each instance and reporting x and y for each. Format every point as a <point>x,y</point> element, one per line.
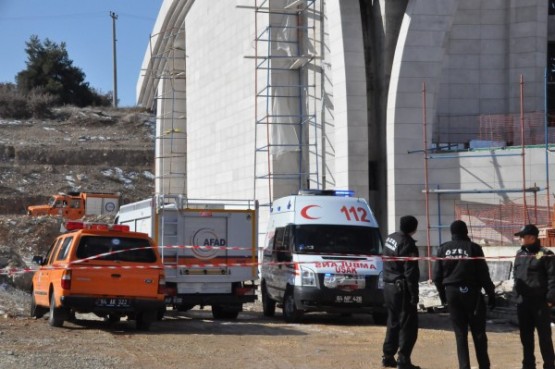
<point>115,95</point>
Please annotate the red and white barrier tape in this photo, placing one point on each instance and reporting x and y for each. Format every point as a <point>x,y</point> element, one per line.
<point>78,263</point>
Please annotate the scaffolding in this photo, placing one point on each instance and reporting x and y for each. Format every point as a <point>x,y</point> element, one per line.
<point>286,149</point>
<point>493,223</point>
<point>167,74</point>
<point>168,77</point>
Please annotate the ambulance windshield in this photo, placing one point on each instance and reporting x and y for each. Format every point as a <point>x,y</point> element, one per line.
<point>337,239</point>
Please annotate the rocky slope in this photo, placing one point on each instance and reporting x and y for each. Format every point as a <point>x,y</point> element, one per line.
<point>87,150</point>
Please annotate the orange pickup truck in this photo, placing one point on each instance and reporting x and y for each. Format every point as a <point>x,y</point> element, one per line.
<point>101,269</point>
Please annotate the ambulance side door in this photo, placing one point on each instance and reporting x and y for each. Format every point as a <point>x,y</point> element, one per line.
<point>285,274</point>
<point>275,281</point>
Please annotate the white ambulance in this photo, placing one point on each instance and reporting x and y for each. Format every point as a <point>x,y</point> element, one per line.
<point>322,253</point>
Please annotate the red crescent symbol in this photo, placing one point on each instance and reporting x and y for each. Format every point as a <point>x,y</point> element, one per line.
<point>304,212</point>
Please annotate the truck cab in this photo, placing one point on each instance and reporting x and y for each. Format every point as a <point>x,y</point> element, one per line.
<point>75,205</point>
<point>57,205</point>
<point>322,253</point>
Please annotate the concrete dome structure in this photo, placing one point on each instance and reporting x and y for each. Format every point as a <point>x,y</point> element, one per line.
<point>261,98</point>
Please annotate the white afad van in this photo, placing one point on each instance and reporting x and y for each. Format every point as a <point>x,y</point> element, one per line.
<point>322,253</point>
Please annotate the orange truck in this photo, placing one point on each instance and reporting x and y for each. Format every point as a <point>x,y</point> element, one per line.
<point>75,205</point>
<point>102,269</point>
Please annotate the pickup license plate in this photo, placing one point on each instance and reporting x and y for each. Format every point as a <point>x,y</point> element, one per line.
<point>113,302</point>
<point>348,299</point>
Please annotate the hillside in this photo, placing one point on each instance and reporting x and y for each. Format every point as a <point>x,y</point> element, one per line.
<point>92,149</point>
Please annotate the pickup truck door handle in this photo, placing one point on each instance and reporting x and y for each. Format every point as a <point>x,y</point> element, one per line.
<point>116,275</point>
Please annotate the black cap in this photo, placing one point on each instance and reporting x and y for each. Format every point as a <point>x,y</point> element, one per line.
<point>459,227</point>
<point>408,224</point>
<point>528,229</point>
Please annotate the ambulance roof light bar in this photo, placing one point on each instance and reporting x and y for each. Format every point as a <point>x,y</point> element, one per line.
<point>343,193</point>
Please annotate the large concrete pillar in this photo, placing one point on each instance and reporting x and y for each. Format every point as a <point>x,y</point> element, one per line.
<point>349,94</point>
<point>382,22</point>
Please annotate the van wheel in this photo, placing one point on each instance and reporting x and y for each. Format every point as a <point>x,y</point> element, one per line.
<point>290,312</point>
<point>144,319</point>
<point>56,318</point>
<point>220,313</point>
<point>184,307</point>
<point>34,310</point>
<point>268,305</point>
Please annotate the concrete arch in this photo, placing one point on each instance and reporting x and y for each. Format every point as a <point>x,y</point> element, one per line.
<point>419,57</point>
<point>171,16</point>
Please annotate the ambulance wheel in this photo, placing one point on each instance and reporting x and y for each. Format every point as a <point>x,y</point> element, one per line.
<point>290,312</point>
<point>220,313</point>
<point>56,318</point>
<point>268,305</point>
<point>380,318</point>
<point>34,310</point>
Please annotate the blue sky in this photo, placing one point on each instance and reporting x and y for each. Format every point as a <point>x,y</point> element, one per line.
<point>86,28</point>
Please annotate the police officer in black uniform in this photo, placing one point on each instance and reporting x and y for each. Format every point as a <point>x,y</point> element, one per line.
<point>534,277</point>
<point>401,295</point>
<point>459,281</point>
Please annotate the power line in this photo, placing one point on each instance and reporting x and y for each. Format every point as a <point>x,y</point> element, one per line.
<point>71,16</point>
<point>126,15</point>
<point>53,16</point>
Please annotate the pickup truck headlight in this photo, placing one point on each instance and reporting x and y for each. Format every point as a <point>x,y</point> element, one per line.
<point>308,278</point>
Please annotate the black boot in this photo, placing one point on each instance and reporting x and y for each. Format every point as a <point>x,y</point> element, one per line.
<point>389,362</point>
<point>407,366</point>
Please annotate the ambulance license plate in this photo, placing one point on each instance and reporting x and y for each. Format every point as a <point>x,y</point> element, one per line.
<point>348,299</point>
<point>113,302</point>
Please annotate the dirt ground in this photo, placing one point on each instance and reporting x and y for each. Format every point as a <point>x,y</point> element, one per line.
<point>194,340</point>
